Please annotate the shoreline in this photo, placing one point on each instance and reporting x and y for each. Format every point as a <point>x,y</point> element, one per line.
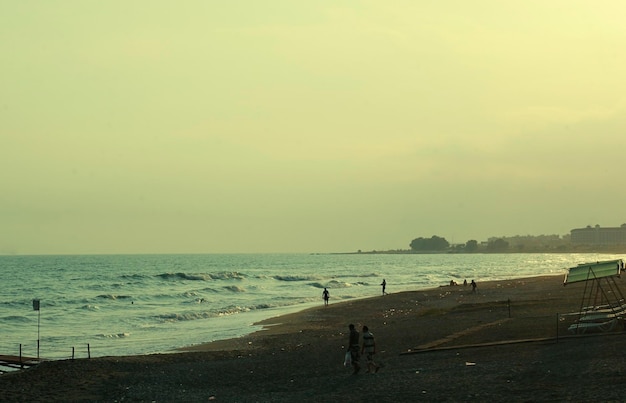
<point>442,297</point>
<point>277,325</point>
<point>298,356</point>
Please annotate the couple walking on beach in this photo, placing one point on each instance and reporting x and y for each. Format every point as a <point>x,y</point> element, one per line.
<point>368,348</point>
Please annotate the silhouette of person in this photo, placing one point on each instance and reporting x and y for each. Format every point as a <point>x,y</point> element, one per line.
<point>353,347</point>
<point>326,296</point>
<point>384,284</point>
<point>473,286</point>
<point>369,348</point>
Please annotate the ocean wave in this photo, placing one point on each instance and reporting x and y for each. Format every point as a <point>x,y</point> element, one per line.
<point>114,335</point>
<point>368,275</point>
<point>240,309</point>
<point>208,290</point>
<point>195,298</point>
<point>226,311</point>
<point>133,276</point>
<point>114,297</point>
<point>225,275</point>
<point>183,276</point>
<point>296,278</point>
<point>234,288</point>
<point>90,307</point>
<point>180,317</point>
<point>334,284</point>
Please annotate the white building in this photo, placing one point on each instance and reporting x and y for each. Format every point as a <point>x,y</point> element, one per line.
<point>599,236</point>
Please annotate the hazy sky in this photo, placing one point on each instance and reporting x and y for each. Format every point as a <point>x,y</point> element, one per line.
<point>306,126</point>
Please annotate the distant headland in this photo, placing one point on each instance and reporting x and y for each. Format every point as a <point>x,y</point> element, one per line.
<point>591,239</point>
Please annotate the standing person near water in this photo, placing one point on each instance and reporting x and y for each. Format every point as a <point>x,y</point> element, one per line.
<point>473,286</point>
<point>384,284</point>
<point>325,296</point>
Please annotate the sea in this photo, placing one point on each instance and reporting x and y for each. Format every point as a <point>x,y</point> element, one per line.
<point>59,307</point>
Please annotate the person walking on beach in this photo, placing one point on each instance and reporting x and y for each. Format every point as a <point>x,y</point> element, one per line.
<point>326,296</point>
<point>384,284</point>
<point>369,348</point>
<point>353,347</point>
<point>473,286</point>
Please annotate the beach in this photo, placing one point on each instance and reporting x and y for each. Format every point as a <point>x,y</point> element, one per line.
<point>505,342</point>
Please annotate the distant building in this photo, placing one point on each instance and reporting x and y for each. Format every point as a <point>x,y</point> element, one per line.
<point>599,236</point>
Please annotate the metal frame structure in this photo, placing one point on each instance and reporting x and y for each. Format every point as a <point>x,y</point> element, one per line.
<point>602,305</point>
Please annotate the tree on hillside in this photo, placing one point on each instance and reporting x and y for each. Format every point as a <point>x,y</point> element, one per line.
<point>471,245</point>
<point>434,243</point>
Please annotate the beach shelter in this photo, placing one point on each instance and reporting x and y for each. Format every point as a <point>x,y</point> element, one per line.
<point>602,305</point>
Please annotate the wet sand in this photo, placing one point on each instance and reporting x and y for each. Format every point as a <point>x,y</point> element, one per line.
<point>506,342</point>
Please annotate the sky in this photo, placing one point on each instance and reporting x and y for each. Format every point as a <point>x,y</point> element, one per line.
<point>279,126</point>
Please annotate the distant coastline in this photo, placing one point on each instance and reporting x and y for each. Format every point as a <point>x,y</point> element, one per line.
<point>581,240</point>
<point>615,249</point>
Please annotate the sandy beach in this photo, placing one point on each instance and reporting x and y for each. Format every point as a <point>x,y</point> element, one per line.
<point>506,342</point>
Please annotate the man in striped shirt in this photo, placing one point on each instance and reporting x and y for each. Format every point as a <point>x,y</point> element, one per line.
<point>369,348</point>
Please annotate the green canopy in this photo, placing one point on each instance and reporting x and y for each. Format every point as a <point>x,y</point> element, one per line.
<point>592,271</point>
